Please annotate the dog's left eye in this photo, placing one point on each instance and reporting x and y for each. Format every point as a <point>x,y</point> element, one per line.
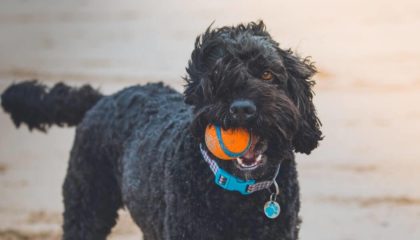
<point>267,75</point>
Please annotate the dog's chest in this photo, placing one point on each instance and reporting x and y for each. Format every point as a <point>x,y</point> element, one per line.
<point>180,191</point>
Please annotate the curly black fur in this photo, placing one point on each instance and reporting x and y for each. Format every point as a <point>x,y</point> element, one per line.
<point>139,148</point>
<point>32,103</point>
<point>226,60</point>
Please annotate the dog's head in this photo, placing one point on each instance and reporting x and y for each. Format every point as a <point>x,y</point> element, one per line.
<point>238,77</point>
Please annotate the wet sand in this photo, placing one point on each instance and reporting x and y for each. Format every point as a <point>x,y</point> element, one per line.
<point>361,183</point>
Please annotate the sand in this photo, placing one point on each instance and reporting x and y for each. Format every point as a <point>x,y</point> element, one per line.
<point>361,183</point>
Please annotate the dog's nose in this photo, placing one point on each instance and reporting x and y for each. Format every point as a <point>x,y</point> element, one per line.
<point>243,109</point>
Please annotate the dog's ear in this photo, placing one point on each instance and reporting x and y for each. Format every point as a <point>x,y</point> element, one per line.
<point>192,87</point>
<point>196,68</point>
<point>300,85</point>
<point>207,49</point>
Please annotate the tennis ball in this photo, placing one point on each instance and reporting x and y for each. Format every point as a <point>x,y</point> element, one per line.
<point>227,144</point>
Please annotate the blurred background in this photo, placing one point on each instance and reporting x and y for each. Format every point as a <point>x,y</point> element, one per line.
<point>361,183</point>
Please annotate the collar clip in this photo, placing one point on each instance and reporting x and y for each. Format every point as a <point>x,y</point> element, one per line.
<point>229,182</point>
<point>232,183</point>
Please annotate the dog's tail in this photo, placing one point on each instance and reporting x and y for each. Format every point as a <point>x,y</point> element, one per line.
<point>40,107</point>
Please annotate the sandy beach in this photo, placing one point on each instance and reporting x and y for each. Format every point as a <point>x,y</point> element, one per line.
<point>361,183</point>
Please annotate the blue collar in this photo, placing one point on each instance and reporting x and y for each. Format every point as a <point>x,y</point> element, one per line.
<point>229,182</point>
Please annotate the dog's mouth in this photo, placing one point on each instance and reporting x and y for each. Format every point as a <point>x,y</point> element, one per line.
<point>254,157</point>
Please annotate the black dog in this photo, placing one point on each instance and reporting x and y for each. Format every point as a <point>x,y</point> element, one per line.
<point>143,147</point>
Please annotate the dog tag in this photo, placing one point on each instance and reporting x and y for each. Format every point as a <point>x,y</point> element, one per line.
<point>271,209</point>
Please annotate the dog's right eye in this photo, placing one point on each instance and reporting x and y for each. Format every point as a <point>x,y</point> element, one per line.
<point>267,75</point>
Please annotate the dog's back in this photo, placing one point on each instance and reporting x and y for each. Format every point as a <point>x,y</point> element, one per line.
<point>128,133</point>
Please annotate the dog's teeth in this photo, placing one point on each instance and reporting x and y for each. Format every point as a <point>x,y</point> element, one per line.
<point>241,162</point>
<point>249,166</point>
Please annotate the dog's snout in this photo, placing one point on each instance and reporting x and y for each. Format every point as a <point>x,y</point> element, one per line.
<point>243,109</point>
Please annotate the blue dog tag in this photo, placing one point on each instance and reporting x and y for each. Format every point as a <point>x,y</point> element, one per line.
<point>271,209</point>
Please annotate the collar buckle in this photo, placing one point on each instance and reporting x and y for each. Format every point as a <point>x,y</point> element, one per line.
<point>232,183</point>
<point>229,182</point>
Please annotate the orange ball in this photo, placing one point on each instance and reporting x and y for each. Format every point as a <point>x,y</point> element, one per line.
<point>227,144</point>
